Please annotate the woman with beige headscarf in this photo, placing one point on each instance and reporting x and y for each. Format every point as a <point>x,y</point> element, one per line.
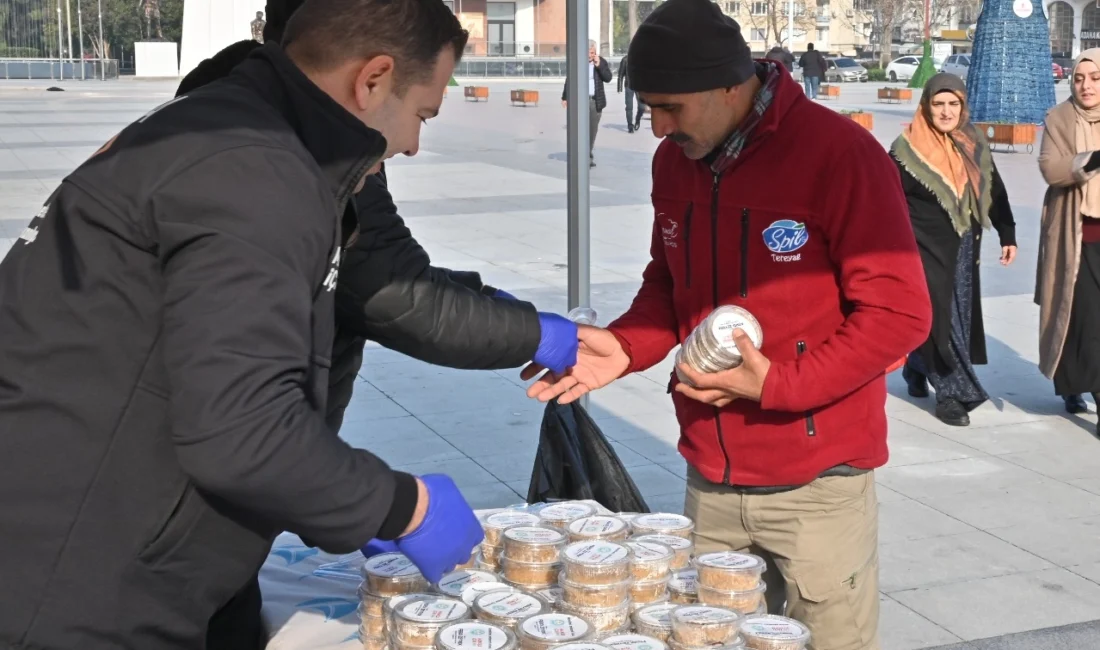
<point>954,193</point>
<point>1068,280</point>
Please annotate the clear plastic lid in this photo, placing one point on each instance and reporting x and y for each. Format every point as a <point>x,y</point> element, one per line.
<point>702,625</point>
<point>633,642</point>
<point>554,628</point>
<point>454,582</point>
<point>743,602</point>
<point>774,633</point>
<point>598,527</point>
<point>685,581</point>
<point>663,524</point>
<point>390,565</point>
<point>598,553</point>
<point>508,606</point>
<point>606,595</point>
<point>435,611</point>
<point>533,543</point>
<point>561,514</point>
<point>390,605</point>
<point>647,552</point>
<point>475,635</point>
<point>604,619</point>
<point>657,616</point>
<point>731,561</point>
<point>552,595</point>
<point>671,541</point>
<point>727,318</point>
<point>474,589</point>
<point>729,571</point>
<point>508,519</point>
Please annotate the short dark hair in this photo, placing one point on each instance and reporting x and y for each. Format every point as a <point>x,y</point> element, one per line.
<point>325,33</point>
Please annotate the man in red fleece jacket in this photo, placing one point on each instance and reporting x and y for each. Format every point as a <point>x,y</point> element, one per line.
<point>781,449</point>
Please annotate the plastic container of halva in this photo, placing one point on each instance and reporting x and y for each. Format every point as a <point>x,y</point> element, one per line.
<point>586,595</point>
<point>655,620</point>
<point>774,633</point>
<point>374,643</point>
<point>729,571</point>
<point>582,645</point>
<point>710,347</point>
<point>743,602</point>
<point>369,604</point>
<point>650,591</point>
<point>737,644</point>
<point>475,635</point>
<point>496,523</point>
<point>633,642</point>
<point>535,544</point>
<point>605,620</point>
<point>529,575</point>
<point>474,589</point>
<point>662,523</point>
<point>597,562</point>
<point>651,561</point>
<point>417,620</point>
<point>398,644</point>
<point>390,574</point>
<point>560,515</point>
<point>372,626</point>
<point>544,631</point>
<point>683,588</point>
<point>507,607</point>
<point>598,527</point>
<point>552,595</point>
<point>702,625</point>
<point>454,582</point>
<point>682,548</point>
<point>393,602</point>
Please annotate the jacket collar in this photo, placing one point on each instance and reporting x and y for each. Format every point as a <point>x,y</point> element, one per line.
<point>342,146</point>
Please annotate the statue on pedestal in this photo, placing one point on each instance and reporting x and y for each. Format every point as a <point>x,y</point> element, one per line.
<point>1010,79</point>
<point>151,9</point>
<point>258,27</point>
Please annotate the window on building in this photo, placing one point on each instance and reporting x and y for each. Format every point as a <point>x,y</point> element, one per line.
<point>1061,28</point>
<point>732,8</point>
<point>822,34</point>
<point>759,9</point>
<point>757,34</point>
<point>501,35</point>
<point>450,5</point>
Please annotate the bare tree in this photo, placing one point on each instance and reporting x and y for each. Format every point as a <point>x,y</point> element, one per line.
<point>876,20</point>
<point>605,29</point>
<point>631,17</point>
<point>773,17</point>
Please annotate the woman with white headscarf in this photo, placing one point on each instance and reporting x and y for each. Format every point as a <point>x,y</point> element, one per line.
<point>1068,279</point>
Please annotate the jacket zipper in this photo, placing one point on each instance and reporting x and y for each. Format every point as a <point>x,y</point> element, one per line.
<point>745,253</point>
<point>714,293</point>
<point>687,243</point>
<point>810,430</point>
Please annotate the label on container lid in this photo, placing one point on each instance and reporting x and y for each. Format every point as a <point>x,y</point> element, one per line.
<point>554,627</point>
<point>730,560</point>
<point>597,525</point>
<point>597,552</point>
<point>434,610</point>
<point>454,582</point>
<point>581,645</point>
<point>390,565</point>
<point>633,642</point>
<point>671,541</point>
<point>775,628</point>
<point>552,594</point>
<point>649,551</point>
<point>685,582</point>
<point>509,605</point>
<point>508,519</point>
<point>534,535</point>
<point>393,601</point>
<point>566,511</point>
<point>472,636</point>
<point>704,614</point>
<point>663,521</point>
<point>472,590</point>
<point>731,318</point>
<point>657,615</point>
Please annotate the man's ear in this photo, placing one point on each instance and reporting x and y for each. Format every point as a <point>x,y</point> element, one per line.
<point>374,82</point>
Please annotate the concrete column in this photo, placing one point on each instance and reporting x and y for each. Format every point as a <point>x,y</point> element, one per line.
<point>525,27</point>
<point>1078,14</point>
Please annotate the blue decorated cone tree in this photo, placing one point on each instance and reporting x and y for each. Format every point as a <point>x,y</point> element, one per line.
<point>1010,80</point>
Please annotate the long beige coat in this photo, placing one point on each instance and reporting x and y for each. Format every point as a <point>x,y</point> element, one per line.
<point>1060,232</point>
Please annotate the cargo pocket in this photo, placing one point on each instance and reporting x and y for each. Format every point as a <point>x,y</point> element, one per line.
<point>841,610</point>
<point>848,492</point>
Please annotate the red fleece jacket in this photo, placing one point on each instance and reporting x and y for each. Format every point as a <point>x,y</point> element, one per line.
<point>827,263</point>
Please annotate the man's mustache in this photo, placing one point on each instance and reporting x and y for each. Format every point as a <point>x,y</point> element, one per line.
<point>679,138</point>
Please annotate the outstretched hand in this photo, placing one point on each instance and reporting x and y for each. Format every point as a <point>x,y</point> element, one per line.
<point>721,388</point>
<point>600,361</point>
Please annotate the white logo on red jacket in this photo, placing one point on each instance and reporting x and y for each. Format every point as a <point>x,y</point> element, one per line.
<point>784,237</point>
<point>669,233</point>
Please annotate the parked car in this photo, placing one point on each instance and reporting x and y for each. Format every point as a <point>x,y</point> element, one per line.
<point>957,64</point>
<point>902,69</point>
<point>844,69</point>
<point>1059,71</point>
<point>1065,64</point>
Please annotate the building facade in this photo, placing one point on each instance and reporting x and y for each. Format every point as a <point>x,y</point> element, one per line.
<point>1074,26</point>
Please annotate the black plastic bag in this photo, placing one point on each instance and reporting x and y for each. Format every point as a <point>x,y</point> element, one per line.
<point>575,461</point>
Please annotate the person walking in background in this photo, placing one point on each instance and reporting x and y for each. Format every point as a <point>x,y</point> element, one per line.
<point>633,120</point>
<point>599,73</point>
<point>782,55</point>
<point>1068,279</point>
<point>954,192</point>
<point>782,449</point>
<point>813,69</point>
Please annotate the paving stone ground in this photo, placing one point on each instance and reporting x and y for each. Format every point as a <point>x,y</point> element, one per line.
<point>988,531</point>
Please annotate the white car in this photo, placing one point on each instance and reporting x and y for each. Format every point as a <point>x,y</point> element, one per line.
<point>957,64</point>
<point>902,69</point>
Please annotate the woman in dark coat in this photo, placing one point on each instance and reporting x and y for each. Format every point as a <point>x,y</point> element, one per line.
<point>954,193</point>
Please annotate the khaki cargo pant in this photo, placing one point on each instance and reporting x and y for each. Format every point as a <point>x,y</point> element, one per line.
<point>821,544</point>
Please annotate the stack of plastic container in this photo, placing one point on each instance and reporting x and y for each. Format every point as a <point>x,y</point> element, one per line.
<point>731,580</point>
<point>384,577</point>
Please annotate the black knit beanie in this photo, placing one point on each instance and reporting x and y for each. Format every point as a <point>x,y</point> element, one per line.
<point>688,46</point>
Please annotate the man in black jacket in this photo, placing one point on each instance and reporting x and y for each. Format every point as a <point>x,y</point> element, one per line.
<point>599,73</point>
<point>633,120</point>
<point>165,330</point>
<point>813,66</point>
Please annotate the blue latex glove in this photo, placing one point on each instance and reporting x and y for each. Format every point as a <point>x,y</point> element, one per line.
<point>448,534</point>
<point>500,293</point>
<point>557,343</point>
<point>378,547</point>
